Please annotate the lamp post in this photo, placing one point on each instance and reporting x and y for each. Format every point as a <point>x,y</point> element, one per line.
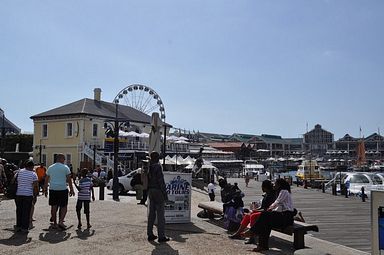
<point>115,124</point>
<point>40,147</point>
<point>116,156</point>
<point>2,132</point>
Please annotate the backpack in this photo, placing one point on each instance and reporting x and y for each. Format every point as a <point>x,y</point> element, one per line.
<point>12,188</point>
<point>136,179</point>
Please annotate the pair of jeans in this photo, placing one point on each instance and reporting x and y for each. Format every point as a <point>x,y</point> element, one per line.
<point>269,220</point>
<point>23,211</point>
<point>156,210</point>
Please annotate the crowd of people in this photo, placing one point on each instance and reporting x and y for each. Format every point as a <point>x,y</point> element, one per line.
<point>275,211</point>
<point>58,183</point>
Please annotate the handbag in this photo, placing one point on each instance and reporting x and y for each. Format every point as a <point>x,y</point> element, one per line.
<point>12,188</point>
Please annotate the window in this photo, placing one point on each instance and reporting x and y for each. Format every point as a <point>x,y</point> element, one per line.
<point>44,159</point>
<point>44,130</point>
<point>376,179</point>
<point>94,130</point>
<point>68,158</point>
<point>69,129</point>
<point>359,178</point>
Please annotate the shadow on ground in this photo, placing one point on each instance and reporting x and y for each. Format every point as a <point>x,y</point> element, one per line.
<point>164,248</point>
<point>17,239</point>
<point>176,231</point>
<point>54,236</point>
<point>84,234</point>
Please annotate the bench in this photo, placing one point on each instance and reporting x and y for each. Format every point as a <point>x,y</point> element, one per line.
<point>298,229</point>
<point>211,208</point>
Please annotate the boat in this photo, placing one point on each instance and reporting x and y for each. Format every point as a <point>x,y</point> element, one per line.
<point>357,180</point>
<point>308,170</point>
<point>253,168</point>
<point>377,167</point>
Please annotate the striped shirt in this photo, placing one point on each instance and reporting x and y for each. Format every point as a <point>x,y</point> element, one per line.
<point>85,186</point>
<point>25,179</point>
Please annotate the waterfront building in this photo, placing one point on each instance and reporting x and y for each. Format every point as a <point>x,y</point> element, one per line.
<point>318,141</point>
<point>275,146</point>
<point>346,147</point>
<point>77,131</point>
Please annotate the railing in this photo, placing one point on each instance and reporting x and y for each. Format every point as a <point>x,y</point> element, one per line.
<point>98,158</point>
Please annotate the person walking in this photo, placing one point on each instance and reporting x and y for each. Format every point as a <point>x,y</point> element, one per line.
<point>247,178</point>
<point>157,195</point>
<point>85,189</point>
<point>58,176</point>
<point>3,177</point>
<point>144,181</point>
<point>211,191</point>
<point>41,172</point>
<point>27,187</point>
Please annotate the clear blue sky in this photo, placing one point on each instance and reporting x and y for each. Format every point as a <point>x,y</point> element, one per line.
<point>219,66</point>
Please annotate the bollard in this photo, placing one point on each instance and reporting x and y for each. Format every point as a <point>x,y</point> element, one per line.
<point>334,192</point>
<point>101,190</point>
<point>362,194</point>
<point>323,186</point>
<point>346,191</point>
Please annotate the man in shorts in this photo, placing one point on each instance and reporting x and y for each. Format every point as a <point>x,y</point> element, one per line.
<point>58,175</point>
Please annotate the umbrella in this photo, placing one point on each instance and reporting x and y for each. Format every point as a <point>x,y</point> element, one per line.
<point>181,142</point>
<point>172,138</point>
<point>133,133</point>
<point>154,136</point>
<point>143,135</point>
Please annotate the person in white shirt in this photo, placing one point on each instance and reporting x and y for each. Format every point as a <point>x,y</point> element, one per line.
<point>278,215</point>
<point>27,187</point>
<point>211,191</point>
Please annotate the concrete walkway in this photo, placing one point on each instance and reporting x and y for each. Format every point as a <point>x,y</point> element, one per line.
<point>120,228</point>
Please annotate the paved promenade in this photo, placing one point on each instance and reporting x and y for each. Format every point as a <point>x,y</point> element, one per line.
<point>120,228</point>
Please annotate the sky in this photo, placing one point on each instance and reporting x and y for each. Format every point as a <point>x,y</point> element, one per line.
<point>219,66</point>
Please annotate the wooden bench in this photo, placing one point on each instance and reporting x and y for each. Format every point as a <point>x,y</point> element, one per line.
<point>298,229</point>
<point>211,208</point>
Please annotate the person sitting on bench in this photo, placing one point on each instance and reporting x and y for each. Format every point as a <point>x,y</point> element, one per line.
<point>279,215</point>
<point>269,197</point>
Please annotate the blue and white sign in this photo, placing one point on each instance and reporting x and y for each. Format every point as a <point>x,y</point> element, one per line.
<point>178,208</point>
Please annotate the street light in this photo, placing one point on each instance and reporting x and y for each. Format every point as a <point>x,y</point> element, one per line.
<point>2,132</point>
<point>115,125</point>
<point>40,147</point>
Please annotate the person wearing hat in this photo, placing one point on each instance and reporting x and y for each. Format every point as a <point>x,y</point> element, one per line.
<point>157,195</point>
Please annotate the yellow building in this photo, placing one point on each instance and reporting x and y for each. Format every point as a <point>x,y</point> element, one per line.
<point>77,128</point>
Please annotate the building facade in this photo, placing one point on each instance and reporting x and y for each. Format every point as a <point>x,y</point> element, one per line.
<point>77,131</point>
<point>318,141</point>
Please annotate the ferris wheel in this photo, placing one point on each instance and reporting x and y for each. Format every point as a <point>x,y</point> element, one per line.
<point>142,98</point>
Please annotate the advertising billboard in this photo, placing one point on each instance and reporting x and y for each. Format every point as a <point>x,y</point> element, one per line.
<point>178,208</point>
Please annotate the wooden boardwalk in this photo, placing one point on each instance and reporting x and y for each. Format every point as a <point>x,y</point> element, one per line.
<point>341,220</point>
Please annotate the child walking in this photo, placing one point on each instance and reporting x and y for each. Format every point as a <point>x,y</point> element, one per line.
<point>85,189</point>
